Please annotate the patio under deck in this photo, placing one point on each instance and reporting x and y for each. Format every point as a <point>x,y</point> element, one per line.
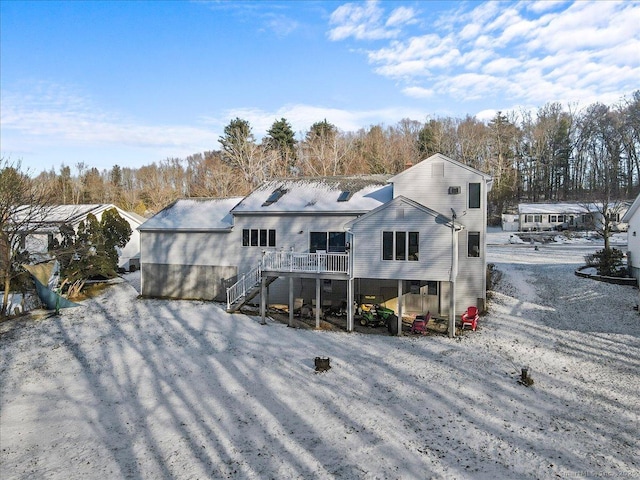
<point>319,265</point>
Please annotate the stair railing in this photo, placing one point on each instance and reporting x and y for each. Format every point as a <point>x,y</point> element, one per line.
<point>245,283</point>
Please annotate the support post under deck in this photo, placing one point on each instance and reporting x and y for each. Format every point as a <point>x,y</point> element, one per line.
<point>291,301</point>
<point>318,304</point>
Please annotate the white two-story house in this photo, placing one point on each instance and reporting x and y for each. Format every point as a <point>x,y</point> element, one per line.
<point>414,241</point>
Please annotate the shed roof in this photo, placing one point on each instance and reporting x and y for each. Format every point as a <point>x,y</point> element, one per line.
<point>304,195</point>
<point>194,214</point>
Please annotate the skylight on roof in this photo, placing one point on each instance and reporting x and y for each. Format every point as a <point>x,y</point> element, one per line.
<point>344,196</point>
<point>274,197</point>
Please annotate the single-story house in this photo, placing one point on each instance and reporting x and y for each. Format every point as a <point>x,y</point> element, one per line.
<point>632,218</point>
<point>48,229</point>
<point>414,241</point>
<point>562,216</point>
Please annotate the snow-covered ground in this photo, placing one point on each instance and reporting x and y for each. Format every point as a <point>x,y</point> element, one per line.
<point>128,388</point>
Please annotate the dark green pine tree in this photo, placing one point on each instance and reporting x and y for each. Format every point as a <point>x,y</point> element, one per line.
<point>281,137</point>
<point>323,131</point>
<point>92,251</point>
<point>116,232</point>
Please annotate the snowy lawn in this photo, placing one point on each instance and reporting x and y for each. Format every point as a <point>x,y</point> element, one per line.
<point>129,388</point>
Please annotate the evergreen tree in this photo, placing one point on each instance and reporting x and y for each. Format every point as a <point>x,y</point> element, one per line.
<point>323,131</point>
<point>116,232</point>
<point>92,251</point>
<point>281,138</point>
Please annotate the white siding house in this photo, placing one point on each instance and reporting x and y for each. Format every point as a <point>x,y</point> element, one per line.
<point>632,218</point>
<point>562,216</point>
<point>407,240</point>
<point>71,215</point>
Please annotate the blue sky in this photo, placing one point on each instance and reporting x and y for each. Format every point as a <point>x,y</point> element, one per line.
<point>131,83</point>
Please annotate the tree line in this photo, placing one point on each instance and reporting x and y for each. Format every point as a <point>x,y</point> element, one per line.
<point>556,153</point>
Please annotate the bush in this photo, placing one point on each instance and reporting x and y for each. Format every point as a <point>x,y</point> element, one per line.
<point>609,262</point>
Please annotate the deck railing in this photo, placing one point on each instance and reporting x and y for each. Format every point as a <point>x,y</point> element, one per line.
<point>306,262</point>
<point>287,262</point>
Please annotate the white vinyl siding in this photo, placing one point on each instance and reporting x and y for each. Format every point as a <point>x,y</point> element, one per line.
<point>433,192</point>
<point>180,248</point>
<point>434,245</point>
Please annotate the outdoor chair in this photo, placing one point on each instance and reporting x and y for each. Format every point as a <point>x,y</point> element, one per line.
<point>470,318</point>
<point>420,324</point>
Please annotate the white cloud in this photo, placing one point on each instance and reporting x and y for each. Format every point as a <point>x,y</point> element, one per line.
<point>49,118</point>
<point>410,69</point>
<point>527,52</point>
<point>281,25</point>
<point>541,6</point>
<point>401,16</point>
<point>486,115</point>
<point>418,92</point>
<point>417,57</point>
<point>476,58</point>
<point>588,25</point>
<point>364,21</point>
<point>501,66</point>
<point>470,31</point>
<point>53,114</point>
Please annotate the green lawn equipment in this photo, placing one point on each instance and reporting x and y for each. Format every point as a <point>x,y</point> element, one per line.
<point>376,315</point>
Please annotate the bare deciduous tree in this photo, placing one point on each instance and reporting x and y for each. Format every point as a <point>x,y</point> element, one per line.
<point>24,205</point>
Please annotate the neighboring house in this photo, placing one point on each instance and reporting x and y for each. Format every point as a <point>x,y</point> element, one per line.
<point>72,215</point>
<point>415,241</point>
<point>632,218</point>
<point>563,216</point>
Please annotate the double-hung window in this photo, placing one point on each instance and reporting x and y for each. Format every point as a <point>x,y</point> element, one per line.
<point>474,195</point>
<point>473,244</point>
